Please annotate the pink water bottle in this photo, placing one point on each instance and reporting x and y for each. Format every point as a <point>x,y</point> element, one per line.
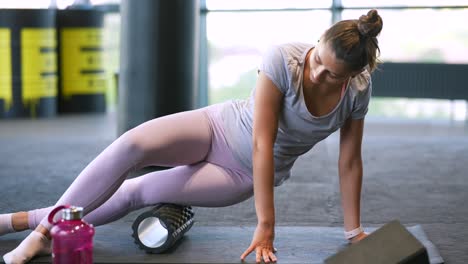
<point>72,238</point>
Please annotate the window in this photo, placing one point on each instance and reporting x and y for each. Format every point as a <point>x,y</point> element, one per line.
<point>402,3</point>
<point>415,31</point>
<point>29,4</point>
<point>265,4</point>
<point>422,35</point>
<point>236,41</point>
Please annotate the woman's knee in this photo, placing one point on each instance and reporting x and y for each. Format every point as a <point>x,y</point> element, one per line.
<point>130,194</point>
<point>132,145</point>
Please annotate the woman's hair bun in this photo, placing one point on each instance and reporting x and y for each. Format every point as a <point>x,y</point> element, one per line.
<point>370,25</point>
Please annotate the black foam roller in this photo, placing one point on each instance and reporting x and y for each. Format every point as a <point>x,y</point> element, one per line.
<point>157,230</point>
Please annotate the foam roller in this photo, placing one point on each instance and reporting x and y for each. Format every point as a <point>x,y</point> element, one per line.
<point>157,230</point>
<point>390,244</point>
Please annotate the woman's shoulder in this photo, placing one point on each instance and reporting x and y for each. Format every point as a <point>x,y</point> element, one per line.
<point>295,50</point>
<point>289,50</point>
<point>361,83</point>
<point>295,46</point>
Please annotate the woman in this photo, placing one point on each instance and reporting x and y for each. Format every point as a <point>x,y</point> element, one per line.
<point>225,153</point>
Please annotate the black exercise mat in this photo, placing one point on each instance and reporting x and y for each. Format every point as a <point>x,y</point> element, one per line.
<point>204,244</point>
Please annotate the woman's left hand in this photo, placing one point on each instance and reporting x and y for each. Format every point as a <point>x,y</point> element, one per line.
<point>358,238</point>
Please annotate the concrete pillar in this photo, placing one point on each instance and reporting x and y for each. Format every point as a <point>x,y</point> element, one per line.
<point>158,59</point>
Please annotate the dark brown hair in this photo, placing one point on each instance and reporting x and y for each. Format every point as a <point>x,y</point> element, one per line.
<point>355,41</point>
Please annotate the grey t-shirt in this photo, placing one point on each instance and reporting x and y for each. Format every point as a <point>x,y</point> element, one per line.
<point>298,129</point>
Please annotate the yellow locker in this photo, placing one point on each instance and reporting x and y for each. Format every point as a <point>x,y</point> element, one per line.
<point>5,68</point>
<point>82,61</point>
<point>38,64</point>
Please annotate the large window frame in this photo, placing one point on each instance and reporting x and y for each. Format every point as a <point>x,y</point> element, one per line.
<point>336,10</point>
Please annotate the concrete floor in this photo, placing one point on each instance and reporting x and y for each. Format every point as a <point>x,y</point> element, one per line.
<point>415,171</point>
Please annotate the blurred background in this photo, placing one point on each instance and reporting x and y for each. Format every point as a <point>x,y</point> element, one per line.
<point>75,74</point>
<point>231,37</point>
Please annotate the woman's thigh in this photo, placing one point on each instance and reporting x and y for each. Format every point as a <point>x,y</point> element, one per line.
<point>203,184</point>
<point>179,139</point>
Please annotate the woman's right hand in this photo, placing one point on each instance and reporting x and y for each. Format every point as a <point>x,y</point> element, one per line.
<point>262,243</point>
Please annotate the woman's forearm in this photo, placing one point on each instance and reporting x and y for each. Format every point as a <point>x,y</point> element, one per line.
<point>263,171</point>
<point>350,187</point>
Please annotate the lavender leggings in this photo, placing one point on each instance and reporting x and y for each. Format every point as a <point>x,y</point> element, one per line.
<point>205,173</point>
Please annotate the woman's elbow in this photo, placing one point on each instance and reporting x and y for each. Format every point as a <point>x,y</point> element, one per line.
<point>350,163</point>
<point>261,145</point>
